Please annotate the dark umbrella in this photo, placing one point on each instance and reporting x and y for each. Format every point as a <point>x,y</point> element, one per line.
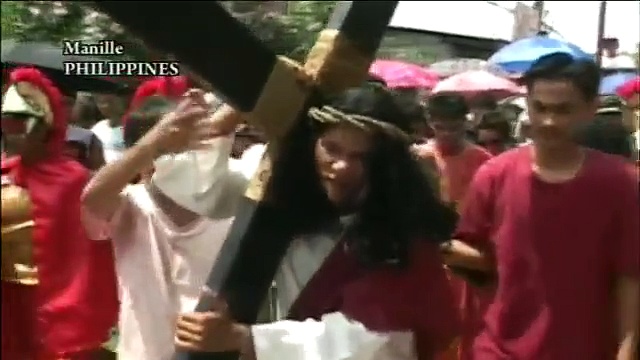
<point>49,58</point>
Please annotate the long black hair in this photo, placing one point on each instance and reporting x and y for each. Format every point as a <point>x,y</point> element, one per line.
<point>401,205</point>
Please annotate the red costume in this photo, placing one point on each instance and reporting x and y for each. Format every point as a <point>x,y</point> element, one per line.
<point>58,288</point>
<point>172,87</point>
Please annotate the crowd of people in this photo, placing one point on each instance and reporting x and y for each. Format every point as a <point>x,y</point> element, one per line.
<point>424,229</point>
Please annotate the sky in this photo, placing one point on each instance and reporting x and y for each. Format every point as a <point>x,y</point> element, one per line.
<point>575,21</point>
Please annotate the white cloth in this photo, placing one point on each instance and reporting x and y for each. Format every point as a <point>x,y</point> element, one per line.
<point>112,139</point>
<point>201,180</point>
<point>301,261</point>
<point>303,258</point>
<point>333,338</point>
<point>194,181</point>
<point>161,269</point>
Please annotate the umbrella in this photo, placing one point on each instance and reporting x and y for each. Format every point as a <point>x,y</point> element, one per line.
<point>39,54</point>
<point>450,67</point>
<point>629,88</point>
<point>472,83</point>
<point>401,75</point>
<point>518,56</point>
<point>49,59</point>
<point>610,83</point>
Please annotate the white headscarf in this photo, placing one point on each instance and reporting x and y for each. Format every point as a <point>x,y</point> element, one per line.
<point>206,181</point>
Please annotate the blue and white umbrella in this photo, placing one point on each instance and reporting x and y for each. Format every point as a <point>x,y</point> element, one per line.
<point>518,56</point>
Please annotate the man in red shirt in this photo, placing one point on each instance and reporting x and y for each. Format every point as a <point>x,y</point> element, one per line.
<point>456,160</point>
<point>562,224</point>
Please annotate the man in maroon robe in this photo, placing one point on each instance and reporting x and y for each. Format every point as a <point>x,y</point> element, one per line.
<point>561,222</point>
<point>364,269</point>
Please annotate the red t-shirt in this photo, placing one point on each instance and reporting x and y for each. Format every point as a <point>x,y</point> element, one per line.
<point>456,171</point>
<point>558,249</point>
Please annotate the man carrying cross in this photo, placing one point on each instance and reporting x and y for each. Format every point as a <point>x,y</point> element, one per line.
<point>364,264</point>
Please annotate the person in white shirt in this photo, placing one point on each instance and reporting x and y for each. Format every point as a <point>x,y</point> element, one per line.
<point>109,130</point>
<point>164,245</point>
<point>612,59</point>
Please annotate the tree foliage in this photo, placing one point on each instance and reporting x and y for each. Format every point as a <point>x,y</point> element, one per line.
<point>55,21</point>
<point>291,33</point>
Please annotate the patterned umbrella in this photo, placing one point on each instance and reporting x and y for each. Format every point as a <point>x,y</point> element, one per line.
<point>402,75</point>
<point>518,56</point>
<point>473,83</point>
<point>450,67</point>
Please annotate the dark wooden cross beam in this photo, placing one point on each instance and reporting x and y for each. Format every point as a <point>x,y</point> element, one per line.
<point>252,78</point>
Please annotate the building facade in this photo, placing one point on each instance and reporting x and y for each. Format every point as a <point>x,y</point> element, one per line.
<point>431,31</point>
<point>427,47</point>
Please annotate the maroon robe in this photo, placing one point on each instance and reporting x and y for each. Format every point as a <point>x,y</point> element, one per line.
<point>417,298</point>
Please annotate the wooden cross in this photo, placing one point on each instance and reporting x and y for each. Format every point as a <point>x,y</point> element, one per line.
<point>204,36</point>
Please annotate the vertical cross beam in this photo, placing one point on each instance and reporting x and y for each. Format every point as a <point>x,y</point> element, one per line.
<point>256,81</point>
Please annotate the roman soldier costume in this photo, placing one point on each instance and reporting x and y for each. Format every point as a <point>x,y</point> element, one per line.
<point>58,288</point>
<point>170,87</point>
